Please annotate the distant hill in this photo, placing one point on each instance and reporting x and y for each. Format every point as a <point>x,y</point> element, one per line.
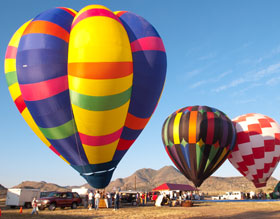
<point>43,186</point>
<point>147,179</point>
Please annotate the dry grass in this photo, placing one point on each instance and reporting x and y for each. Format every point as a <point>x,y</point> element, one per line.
<point>246,210</point>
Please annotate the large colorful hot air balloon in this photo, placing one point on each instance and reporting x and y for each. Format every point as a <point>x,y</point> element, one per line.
<point>257,150</point>
<point>87,83</point>
<point>198,140</point>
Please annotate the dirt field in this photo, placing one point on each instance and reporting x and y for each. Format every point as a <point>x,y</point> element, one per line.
<point>246,210</point>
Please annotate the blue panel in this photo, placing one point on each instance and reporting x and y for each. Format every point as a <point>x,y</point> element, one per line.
<point>71,149</point>
<point>130,134</point>
<point>148,80</point>
<point>186,154</point>
<point>40,65</point>
<point>57,16</point>
<point>119,154</point>
<point>137,27</point>
<point>51,112</point>
<point>43,41</point>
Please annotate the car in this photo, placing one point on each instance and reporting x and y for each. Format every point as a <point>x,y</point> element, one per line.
<point>59,199</point>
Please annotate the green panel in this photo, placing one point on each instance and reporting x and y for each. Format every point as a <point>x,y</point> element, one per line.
<point>60,132</point>
<point>212,154</point>
<point>199,152</point>
<point>165,131</point>
<point>100,103</point>
<point>11,78</point>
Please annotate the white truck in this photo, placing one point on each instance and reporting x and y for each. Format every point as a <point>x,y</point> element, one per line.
<point>236,195</point>
<point>21,197</point>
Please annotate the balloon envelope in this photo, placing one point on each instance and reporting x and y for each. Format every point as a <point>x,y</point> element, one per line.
<point>198,140</point>
<point>88,82</point>
<point>257,150</point>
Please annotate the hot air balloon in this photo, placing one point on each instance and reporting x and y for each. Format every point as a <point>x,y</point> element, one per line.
<point>87,83</point>
<point>198,139</point>
<point>257,150</point>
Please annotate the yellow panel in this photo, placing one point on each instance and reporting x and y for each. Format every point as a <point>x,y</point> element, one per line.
<point>10,65</point>
<point>99,39</point>
<point>176,128</point>
<point>16,37</point>
<point>14,91</point>
<point>90,7</point>
<point>100,154</point>
<point>97,123</point>
<point>101,87</point>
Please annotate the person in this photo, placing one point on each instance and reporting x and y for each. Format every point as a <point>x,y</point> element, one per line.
<point>35,207</point>
<point>90,199</point>
<point>109,198</point>
<point>137,199</point>
<point>117,200</point>
<point>143,198</point>
<point>97,198</point>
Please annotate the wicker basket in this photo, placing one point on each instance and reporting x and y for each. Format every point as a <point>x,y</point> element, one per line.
<point>187,204</point>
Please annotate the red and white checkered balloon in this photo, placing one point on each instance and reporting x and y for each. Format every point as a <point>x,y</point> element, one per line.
<point>257,150</point>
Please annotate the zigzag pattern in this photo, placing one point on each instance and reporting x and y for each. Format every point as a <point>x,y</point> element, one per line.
<point>257,150</point>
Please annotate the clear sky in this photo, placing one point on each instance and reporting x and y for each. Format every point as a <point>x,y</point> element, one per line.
<point>224,54</point>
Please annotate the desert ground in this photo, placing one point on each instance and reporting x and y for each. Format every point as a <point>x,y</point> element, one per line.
<point>246,210</point>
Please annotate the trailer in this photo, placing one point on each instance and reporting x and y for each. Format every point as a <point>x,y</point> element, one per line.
<point>21,197</point>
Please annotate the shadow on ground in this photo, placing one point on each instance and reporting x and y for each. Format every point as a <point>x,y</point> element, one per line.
<point>250,214</point>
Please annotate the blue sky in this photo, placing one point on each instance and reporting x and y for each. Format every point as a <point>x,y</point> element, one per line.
<point>224,54</point>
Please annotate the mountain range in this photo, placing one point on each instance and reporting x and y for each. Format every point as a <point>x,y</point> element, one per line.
<point>146,179</point>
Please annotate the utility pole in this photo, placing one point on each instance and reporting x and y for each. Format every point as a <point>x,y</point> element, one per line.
<point>135,183</point>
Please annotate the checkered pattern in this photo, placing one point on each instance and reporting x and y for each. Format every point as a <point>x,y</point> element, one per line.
<point>257,150</point>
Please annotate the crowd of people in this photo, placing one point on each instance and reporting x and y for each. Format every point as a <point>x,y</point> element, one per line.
<point>94,199</point>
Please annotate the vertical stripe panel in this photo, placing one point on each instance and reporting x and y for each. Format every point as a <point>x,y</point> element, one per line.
<point>176,128</point>
<point>192,127</point>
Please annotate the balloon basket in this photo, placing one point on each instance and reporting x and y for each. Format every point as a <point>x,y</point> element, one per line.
<point>102,203</point>
<point>187,204</point>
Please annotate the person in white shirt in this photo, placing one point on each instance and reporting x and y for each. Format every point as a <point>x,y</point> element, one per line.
<point>90,200</point>
<point>97,198</point>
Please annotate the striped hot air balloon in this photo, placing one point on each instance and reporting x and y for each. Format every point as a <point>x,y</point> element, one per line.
<point>88,82</point>
<point>198,139</point>
<point>257,150</point>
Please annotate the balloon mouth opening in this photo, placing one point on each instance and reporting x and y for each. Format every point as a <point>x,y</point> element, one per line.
<point>99,179</point>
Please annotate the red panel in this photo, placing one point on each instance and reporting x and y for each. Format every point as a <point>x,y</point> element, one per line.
<point>20,103</point>
<point>242,137</point>
<point>260,173</point>
<point>264,123</point>
<point>11,52</point>
<point>269,145</point>
<point>95,12</point>
<point>258,153</point>
<point>124,144</point>
<point>249,160</point>
<point>254,129</point>
<point>277,138</point>
<point>210,128</point>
